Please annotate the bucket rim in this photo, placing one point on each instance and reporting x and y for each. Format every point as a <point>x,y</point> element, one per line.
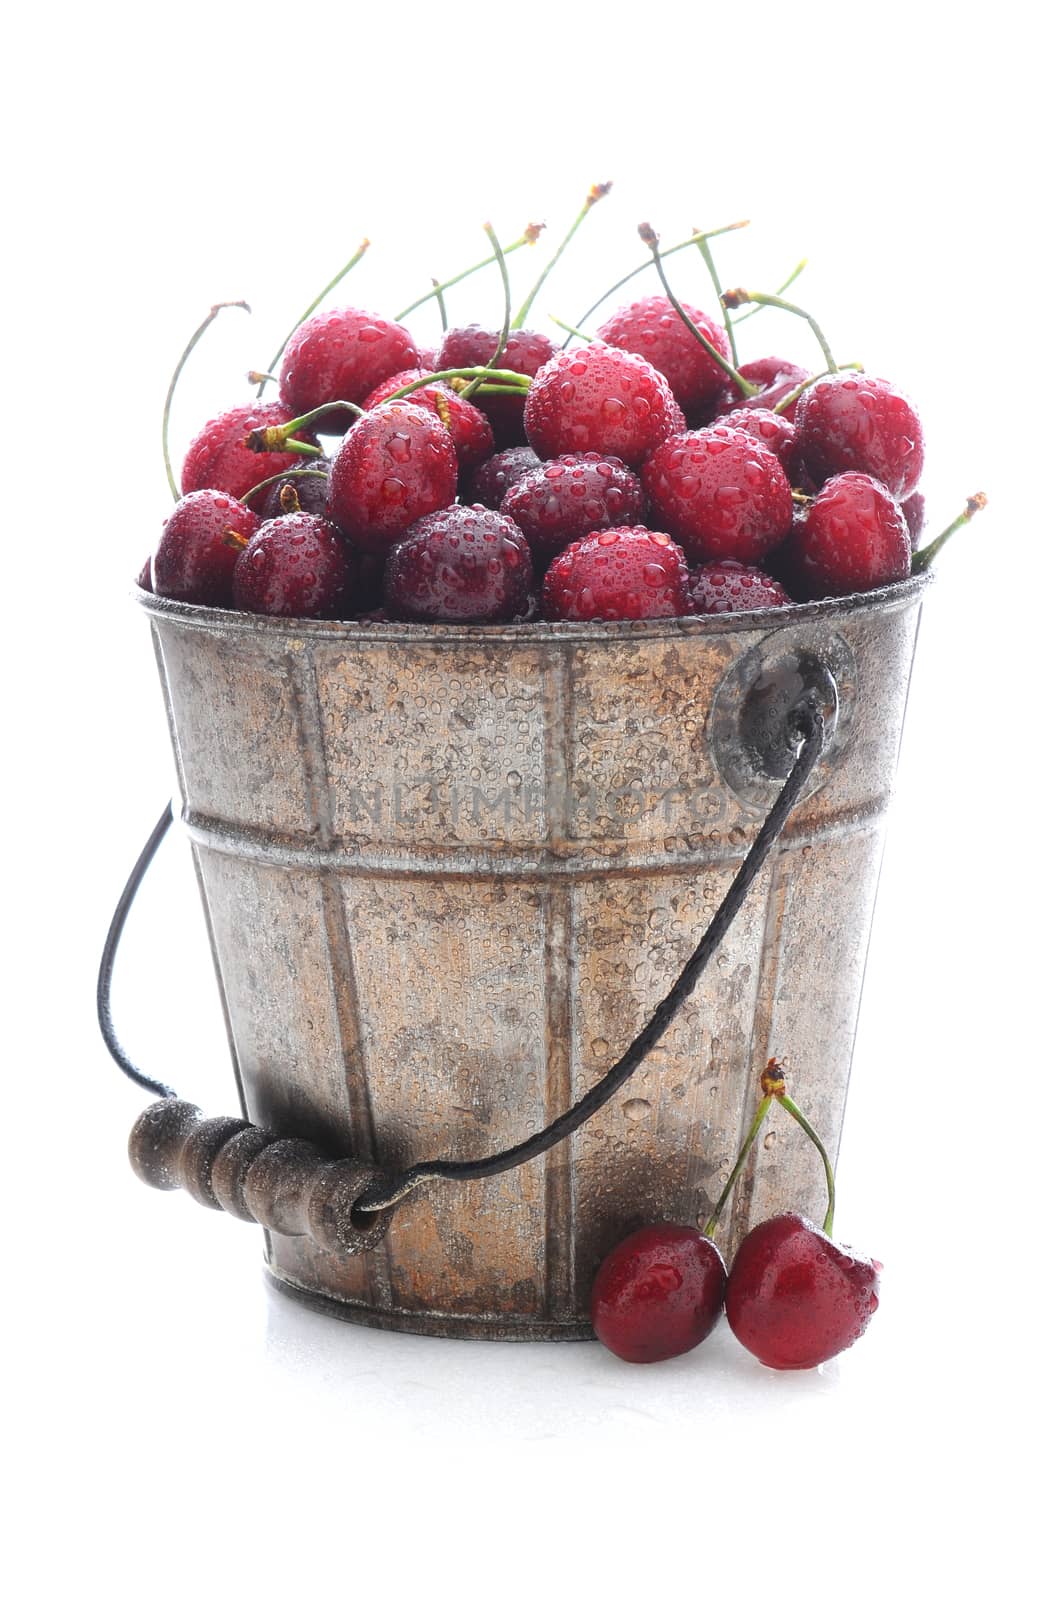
<point>892,597</point>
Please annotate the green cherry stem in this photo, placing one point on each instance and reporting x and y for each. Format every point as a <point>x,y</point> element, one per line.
<point>177,371</point>
<point>279,436</point>
<point>529,236</point>
<point>503,337</point>
<point>292,472</point>
<point>597,191</point>
<point>573,333</point>
<point>501,377</point>
<point>312,307</point>
<point>706,255</point>
<point>673,249</point>
<point>923,558</point>
<point>806,1126</point>
<point>795,394</point>
<point>795,274</point>
<point>763,1108</point>
<point>743,385</point>
<point>437,290</point>
<point>744,297</point>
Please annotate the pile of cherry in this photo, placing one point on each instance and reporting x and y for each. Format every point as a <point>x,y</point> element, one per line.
<point>502,479</point>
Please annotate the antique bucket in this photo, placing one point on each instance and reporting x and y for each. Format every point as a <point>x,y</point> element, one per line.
<point>449,871</point>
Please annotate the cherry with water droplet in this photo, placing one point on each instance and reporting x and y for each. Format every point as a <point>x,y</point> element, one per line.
<point>341,354</point>
<point>721,493</point>
<point>849,421</point>
<point>395,465</point>
<point>218,457</point>
<point>658,1293</point>
<point>294,566</point>
<point>201,540</point>
<point>462,564</point>
<point>560,501</point>
<point>616,575</point>
<point>599,398</point>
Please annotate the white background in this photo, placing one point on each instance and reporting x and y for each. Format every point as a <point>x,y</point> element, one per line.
<point>170,1424</point>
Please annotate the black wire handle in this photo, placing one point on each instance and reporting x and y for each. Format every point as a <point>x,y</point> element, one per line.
<point>807,728</point>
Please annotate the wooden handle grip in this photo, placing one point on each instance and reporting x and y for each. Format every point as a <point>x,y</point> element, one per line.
<point>287,1185</point>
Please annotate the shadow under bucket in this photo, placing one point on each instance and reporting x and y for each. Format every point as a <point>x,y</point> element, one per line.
<point>448,874</point>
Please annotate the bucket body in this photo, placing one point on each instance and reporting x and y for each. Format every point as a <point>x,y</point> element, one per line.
<point>449,872</point>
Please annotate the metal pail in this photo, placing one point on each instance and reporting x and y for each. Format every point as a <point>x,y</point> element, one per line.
<point>449,871</point>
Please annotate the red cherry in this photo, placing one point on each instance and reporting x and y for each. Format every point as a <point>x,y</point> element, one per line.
<point>774,432</point>
<point>341,354</point>
<point>775,379</point>
<point>719,492</point>
<point>658,1293</point>
<point>849,421</point>
<point>652,328</point>
<point>525,351</point>
<point>795,1298</point>
<point>218,458</point>
<point>559,501</point>
<point>853,538</point>
<point>201,540</point>
<point>730,586</point>
<point>620,574</point>
<point>144,580</point>
<point>295,566</point>
<point>464,564</point>
<point>914,509</point>
<point>499,473</point>
<point>599,398</point>
<point>396,464</point>
<point>469,429</point>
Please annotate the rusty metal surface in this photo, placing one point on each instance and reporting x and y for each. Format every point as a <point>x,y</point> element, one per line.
<point>448,872</point>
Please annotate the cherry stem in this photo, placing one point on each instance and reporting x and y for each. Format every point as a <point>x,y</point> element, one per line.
<point>440,302</point>
<point>512,382</point>
<point>598,191</point>
<point>292,472</point>
<point>806,1126</point>
<point>795,394</point>
<point>795,274</point>
<point>503,337</point>
<point>312,307</point>
<point>684,244</point>
<point>763,1108</point>
<point>529,236</point>
<point>573,333</point>
<point>177,371</point>
<point>279,435</point>
<point>706,256</point>
<point>743,297</point>
<point>261,377</point>
<point>923,558</point>
<point>743,385</point>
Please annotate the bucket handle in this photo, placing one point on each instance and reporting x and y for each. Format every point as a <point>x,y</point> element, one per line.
<point>288,1185</point>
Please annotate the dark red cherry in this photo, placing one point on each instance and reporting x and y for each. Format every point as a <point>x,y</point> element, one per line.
<point>720,493</point>
<point>853,538</point>
<point>463,564</point>
<point>914,509</point>
<point>619,574</point>
<point>652,328</point>
<point>395,465</point>
<point>729,586</point>
<point>499,473</point>
<point>794,1297</point>
<point>852,422</point>
<point>144,580</point>
<point>341,354</point>
<point>201,540</point>
<point>525,351</point>
<point>294,566</point>
<point>658,1293</point>
<point>775,379</point>
<point>599,398</point>
<point>218,458</point>
<point>467,425</point>
<point>310,483</point>
<point>559,501</point>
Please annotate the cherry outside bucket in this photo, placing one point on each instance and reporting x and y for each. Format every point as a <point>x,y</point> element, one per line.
<point>448,872</point>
